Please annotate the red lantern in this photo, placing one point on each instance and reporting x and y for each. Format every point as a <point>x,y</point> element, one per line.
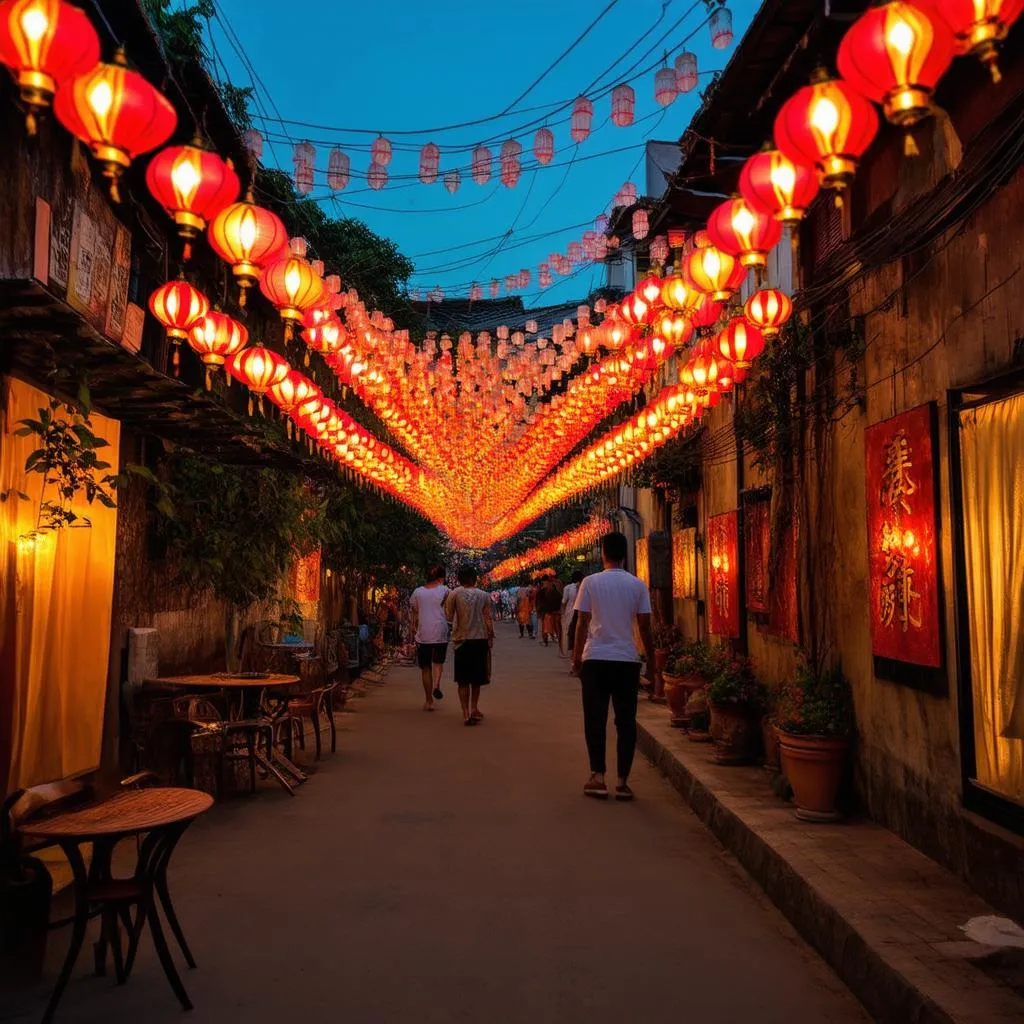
<point>707,313</point>
<point>773,183</point>
<point>117,113</point>
<point>769,310</point>
<point>744,231</point>
<point>192,185</point>
<point>247,237</point>
<point>179,307</point>
<point>666,86</point>
<point>978,25</point>
<point>292,285</point>
<point>686,72</point>
<point>482,163</point>
<point>623,105</point>
<point>740,342</point>
<point>827,125</point>
<point>714,272</point>
<point>380,151</point>
<point>676,328</point>
<point>635,310</point>
<point>544,145</point>
<point>259,369</point>
<point>377,176</point>
<point>582,116</point>
<point>678,294</point>
<point>216,338</point>
<point>45,43</point>
<point>430,162</point>
<point>640,224</point>
<point>895,55</point>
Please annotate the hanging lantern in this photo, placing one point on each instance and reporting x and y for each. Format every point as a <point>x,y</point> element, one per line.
<point>193,185</point>
<point>117,113</point>
<point>476,292</point>
<point>291,392</point>
<point>666,88</point>
<point>582,117</point>
<point>430,162</point>
<point>45,43</point>
<point>524,278</point>
<point>827,125</point>
<point>601,223</point>
<point>635,310</point>
<point>744,231</point>
<point>679,295</point>
<point>292,285</point>
<point>627,195</point>
<point>686,72</point>
<point>259,369</point>
<point>768,310</point>
<point>452,179</point>
<point>325,335</point>
<point>377,176</point>
<point>304,163</point>
<point>216,338</point>
<point>676,238</point>
<point>895,55</point>
<point>721,28</point>
<point>641,225</point>
<point>623,105</point>
<point>179,307</point>
<point>247,237</point>
<point>495,288</point>
<point>714,272</point>
<point>380,151</point>
<point>659,250</point>
<point>338,170</point>
<point>978,25</point>
<point>676,328</point>
<point>771,182</point>
<point>544,145</point>
<point>707,313</point>
<point>740,342</point>
<point>482,164</point>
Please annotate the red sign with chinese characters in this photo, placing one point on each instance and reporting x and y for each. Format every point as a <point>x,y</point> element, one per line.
<point>902,551</point>
<point>724,575</point>
<point>757,540</point>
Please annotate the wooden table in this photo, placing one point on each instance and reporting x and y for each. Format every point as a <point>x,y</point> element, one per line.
<point>162,815</point>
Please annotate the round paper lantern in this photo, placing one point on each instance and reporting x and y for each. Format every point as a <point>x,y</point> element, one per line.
<point>676,328</point>
<point>380,151</point>
<point>978,25</point>
<point>707,313</point>
<point>179,306</point>
<point>895,55</point>
<point>640,224</point>
<point>117,113</point>
<point>771,182</point>
<point>216,338</point>
<point>623,105</point>
<point>741,342</point>
<point>304,163</point>
<point>827,125</point>
<point>247,237</point>
<point>259,369</point>
<point>292,391</point>
<point>679,295</point>
<point>601,223</point>
<point>768,310</point>
<point>721,28</point>
<point>45,43</point>
<point>659,249</point>
<point>744,231</point>
<point>193,185</point>
<point>377,176</point>
<point>582,117</point>
<point>292,285</point>
<point>452,179</point>
<point>666,87</point>
<point>544,145</point>
<point>686,72</point>
<point>714,272</point>
<point>482,164</point>
<point>430,162</point>
<point>338,170</point>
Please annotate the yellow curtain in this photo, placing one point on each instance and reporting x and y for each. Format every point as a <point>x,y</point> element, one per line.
<point>992,447</point>
<point>55,611</point>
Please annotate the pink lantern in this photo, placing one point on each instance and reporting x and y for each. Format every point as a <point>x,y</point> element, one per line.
<point>623,105</point>
<point>640,224</point>
<point>482,162</point>
<point>626,195</point>
<point>430,161</point>
<point>510,166</point>
<point>524,278</point>
<point>253,143</point>
<point>721,28</point>
<point>544,145</point>
<point>589,244</point>
<point>601,223</point>
<point>476,293</point>
<point>377,176</point>
<point>575,253</point>
<point>511,282</point>
<point>582,117</point>
<point>659,249</point>
<point>338,168</point>
<point>495,288</point>
<point>510,150</point>
<point>531,326</point>
<point>304,161</point>
<point>380,151</point>
<point>686,72</point>
<point>452,180</point>
<point>665,87</point>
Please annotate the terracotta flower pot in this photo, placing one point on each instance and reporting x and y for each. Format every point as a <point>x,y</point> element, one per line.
<point>657,695</point>
<point>770,736</point>
<point>660,660</point>
<point>736,731</point>
<point>698,713</point>
<point>814,766</point>
<point>677,693</point>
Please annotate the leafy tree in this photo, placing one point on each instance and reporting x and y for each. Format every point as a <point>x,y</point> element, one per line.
<point>180,30</point>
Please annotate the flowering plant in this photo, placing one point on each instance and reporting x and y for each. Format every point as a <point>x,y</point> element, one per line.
<point>816,703</point>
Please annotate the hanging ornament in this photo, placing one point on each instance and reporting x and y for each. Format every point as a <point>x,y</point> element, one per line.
<point>659,250</point>
<point>741,342</point>
<point>575,253</point>
<point>524,278</point>
<point>252,141</point>
<point>304,163</point>
<point>380,151</point>
<point>338,170</point>
<point>247,237</point>
<point>666,88</point>
<point>623,105</point>
<point>179,306</point>
<point>430,162</point>
<point>510,165</point>
<point>980,26</point>
<point>292,285</point>
<point>771,182</point>
<point>259,369</point>
<point>895,55</point>
<point>215,339</point>
<point>714,272</point>
<point>377,176</point>
<point>291,392</point>
<point>511,282</point>
<point>640,225</point>
<point>495,288</point>
<point>45,43</point>
<point>476,292</point>
<point>744,231</point>
<point>721,28</point>
<point>768,310</point>
<point>117,113</point>
<point>483,162</point>
<point>686,72</point>
<point>544,145</point>
<point>452,180</point>
<point>601,223</point>
<point>582,117</point>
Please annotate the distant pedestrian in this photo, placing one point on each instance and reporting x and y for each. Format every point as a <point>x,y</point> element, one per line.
<point>605,655</point>
<point>469,611</point>
<point>549,604</point>
<point>524,610</point>
<point>431,630</point>
<point>569,613</point>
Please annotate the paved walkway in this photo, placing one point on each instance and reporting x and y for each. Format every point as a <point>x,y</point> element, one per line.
<point>434,873</point>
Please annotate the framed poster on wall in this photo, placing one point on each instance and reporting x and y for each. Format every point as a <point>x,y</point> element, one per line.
<point>724,575</point>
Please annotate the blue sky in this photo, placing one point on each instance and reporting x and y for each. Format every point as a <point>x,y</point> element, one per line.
<point>417,67</point>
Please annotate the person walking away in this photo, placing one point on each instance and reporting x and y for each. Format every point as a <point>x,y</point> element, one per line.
<point>549,601</point>
<point>569,608</point>
<point>431,630</point>
<point>608,604</point>
<point>469,611</point>
<point>524,610</point>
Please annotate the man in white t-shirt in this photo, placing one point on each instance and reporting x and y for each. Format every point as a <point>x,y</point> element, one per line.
<point>431,626</point>
<point>605,656</point>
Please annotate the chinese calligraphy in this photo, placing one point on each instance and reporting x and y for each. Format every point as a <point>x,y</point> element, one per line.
<point>897,485</point>
<point>723,575</point>
<point>898,601</point>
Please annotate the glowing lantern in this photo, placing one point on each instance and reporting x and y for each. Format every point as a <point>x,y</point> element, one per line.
<point>582,117</point>
<point>623,105</point>
<point>714,272</point>
<point>117,113</point>
<point>304,163</point>
<point>721,28</point>
<point>771,182</point>
<point>544,145</point>
<point>259,369</point>
<point>380,151</point>
<point>635,310</point>
<point>744,231</point>
<point>768,310</point>
<point>179,307</point>
<point>741,342</point>
<point>640,225</point>
<point>292,285</point>
<point>666,87</point>
<point>193,185</point>
<point>686,72</point>
<point>827,125</point>
<point>323,334</point>
<point>247,237</point>
<point>45,43</point>
<point>292,391</point>
<point>377,176</point>
<point>679,295</point>
<point>216,338</point>
<point>704,368</point>
<point>452,180</point>
<point>338,170</point>
<point>482,163</point>
<point>430,162</point>
<point>978,25</point>
<point>676,328</point>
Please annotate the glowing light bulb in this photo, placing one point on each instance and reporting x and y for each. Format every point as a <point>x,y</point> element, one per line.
<point>101,99</point>
<point>186,179</point>
<point>743,221</point>
<point>901,37</point>
<point>34,23</point>
<point>783,178</point>
<point>825,116</point>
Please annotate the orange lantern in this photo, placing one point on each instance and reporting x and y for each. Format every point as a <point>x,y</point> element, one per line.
<point>678,294</point>
<point>45,43</point>
<point>744,231</point>
<point>714,272</point>
<point>117,113</point>
<point>771,182</point>
<point>259,369</point>
<point>179,307</point>
<point>978,25</point>
<point>676,328</point>
<point>741,343</point>
<point>634,309</point>
<point>290,392</point>
<point>768,310</point>
<point>650,289</point>
<point>704,369</point>
<point>293,286</point>
<point>247,237</point>
<point>216,338</point>
<point>827,125</point>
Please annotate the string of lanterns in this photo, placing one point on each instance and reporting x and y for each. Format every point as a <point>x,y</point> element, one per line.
<point>577,539</point>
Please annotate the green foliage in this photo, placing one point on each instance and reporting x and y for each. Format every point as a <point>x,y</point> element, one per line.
<point>676,466</point>
<point>697,658</point>
<point>816,703</point>
<point>666,636</point>
<point>236,101</point>
<point>180,30</point>
<point>737,684</point>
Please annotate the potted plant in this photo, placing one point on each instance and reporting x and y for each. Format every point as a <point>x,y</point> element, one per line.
<point>666,636</point>
<point>683,674</point>
<point>815,723</point>
<point>737,700</point>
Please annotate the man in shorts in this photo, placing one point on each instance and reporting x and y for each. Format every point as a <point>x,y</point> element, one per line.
<point>469,611</point>
<point>431,626</point>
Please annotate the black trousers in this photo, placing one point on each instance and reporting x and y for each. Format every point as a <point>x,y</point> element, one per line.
<point>618,681</point>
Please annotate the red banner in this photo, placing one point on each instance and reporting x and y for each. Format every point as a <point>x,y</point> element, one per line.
<point>306,577</point>
<point>902,556</point>
<point>723,575</point>
<point>757,541</point>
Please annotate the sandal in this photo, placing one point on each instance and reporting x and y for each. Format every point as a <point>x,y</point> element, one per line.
<point>623,792</point>
<point>470,721</point>
<point>477,716</point>
<point>595,788</point>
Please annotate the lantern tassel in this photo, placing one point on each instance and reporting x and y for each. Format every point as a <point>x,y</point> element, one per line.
<point>186,252</point>
<point>209,380</point>
<point>115,191</point>
<point>305,362</point>
<point>31,125</point>
<point>839,200</point>
<point>243,294</point>
<point>251,407</point>
<point>176,359</point>
<point>288,429</point>
<point>910,146</point>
